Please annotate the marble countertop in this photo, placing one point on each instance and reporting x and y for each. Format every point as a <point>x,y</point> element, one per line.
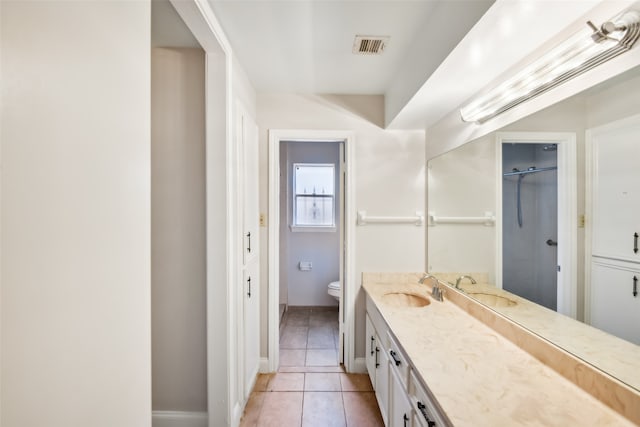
<point>620,359</point>
<point>478,377</point>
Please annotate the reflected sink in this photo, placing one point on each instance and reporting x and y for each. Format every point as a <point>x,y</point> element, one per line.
<point>492,300</point>
<point>405,299</point>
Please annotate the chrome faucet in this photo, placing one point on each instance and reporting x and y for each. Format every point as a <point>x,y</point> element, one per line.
<point>427,276</point>
<point>436,291</point>
<point>461,278</point>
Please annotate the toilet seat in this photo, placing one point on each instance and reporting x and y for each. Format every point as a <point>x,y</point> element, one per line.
<point>334,289</point>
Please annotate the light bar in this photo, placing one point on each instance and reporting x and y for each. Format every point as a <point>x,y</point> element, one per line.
<point>581,52</point>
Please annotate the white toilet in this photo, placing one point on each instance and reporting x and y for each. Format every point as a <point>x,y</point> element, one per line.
<point>334,290</point>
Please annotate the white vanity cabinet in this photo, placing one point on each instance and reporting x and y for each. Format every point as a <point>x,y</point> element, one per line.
<point>402,399</point>
<point>615,298</point>
<point>377,357</point>
<point>614,189</point>
<point>382,381</point>
<point>371,357</point>
<point>425,413</point>
<point>400,412</point>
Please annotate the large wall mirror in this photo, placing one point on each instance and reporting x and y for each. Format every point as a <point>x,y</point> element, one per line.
<point>532,210</point>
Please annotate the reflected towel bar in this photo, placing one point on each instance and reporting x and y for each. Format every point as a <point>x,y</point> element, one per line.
<point>488,219</point>
<point>364,219</point>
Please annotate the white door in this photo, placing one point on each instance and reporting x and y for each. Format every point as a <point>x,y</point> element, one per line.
<point>250,316</point>
<point>616,192</point>
<point>400,412</point>
<point>615,299</point>
<point>251,336</point>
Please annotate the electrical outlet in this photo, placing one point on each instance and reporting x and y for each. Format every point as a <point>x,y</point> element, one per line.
<point>581,221</point>
<point>263,220</point>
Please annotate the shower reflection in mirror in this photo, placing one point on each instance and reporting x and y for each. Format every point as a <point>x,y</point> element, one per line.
<point>529,209</point>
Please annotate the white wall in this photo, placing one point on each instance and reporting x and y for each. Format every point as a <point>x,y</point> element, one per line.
<point>178,230</point>
<point>389,180</point>
<point>75,228</point>
<point>461,184</point>
<point>322,249</point>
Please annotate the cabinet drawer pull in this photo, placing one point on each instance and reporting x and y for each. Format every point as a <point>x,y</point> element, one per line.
<point>249,242</point>
<point>635,286</point>
<point>423,410</point>
<point>395,359</point>
<point>405,418</point>
<point>373,340</point>
<point>635,243</point>
<point>377,351</point>
<point>249,283</point>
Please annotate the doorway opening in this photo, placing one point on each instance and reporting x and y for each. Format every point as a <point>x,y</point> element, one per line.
<point>311,260</point>
<point>537,224</point>
<point>310,251</point>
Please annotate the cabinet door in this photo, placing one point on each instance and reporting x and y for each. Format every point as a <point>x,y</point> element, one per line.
<point>251,325</point>
<point>616,191</point>
<point>382,380</point>
<point>371,357</point>
<point>248,135</point>
<point>614,307</point>
<point>400,413</point>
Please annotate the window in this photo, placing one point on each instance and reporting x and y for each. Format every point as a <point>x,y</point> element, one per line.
<point>313,196</point>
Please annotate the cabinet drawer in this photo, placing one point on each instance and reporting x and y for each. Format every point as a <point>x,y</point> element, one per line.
<point>425,412</point>
<point>398,361</point>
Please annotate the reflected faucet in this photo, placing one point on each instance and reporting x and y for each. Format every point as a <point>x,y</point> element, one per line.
<point>461,278</point>
<point>436,291</point>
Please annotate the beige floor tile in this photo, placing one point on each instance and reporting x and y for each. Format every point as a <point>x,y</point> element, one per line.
<point>323,409</point>
<point>332,369</point>
<point>252,409</point>
<point>361,409</point>
<point>286,382</point>
<point>322,358</point>
<point>281,409</point>
<point>321,337</point>
<point>292,357</point>
<point>355,382</point>
<point>323,318</point>
<point>294,337</point>
<point>297,318</point>
<point>322,382</point>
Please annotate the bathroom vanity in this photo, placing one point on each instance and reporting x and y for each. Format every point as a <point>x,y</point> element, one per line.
<point>444,363</point>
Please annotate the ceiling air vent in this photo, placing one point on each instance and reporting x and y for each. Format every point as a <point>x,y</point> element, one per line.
<point>370,45</point>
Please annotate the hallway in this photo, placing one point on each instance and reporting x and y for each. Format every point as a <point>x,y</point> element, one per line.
<point>310,389</point>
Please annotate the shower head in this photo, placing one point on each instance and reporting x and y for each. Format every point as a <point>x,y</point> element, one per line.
<point>550,147</point>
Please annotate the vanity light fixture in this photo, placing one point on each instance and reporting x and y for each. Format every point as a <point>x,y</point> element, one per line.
<point>581,52</point>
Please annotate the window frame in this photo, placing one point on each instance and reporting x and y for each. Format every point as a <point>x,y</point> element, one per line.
<point>294,196</point>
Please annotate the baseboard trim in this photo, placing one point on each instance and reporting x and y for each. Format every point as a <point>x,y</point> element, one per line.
<point>179,419</point>
<point>360,365</point>
<point>264,365</point>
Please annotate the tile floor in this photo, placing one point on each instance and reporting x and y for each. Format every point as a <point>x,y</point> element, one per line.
<point>310,389</point>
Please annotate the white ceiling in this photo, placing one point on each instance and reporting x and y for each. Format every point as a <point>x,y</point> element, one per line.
<point>304,46</point>
<point>440,53</point>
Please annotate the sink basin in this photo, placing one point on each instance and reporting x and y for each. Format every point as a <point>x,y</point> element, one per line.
<point>405,299</point>
<point>492,300</point>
